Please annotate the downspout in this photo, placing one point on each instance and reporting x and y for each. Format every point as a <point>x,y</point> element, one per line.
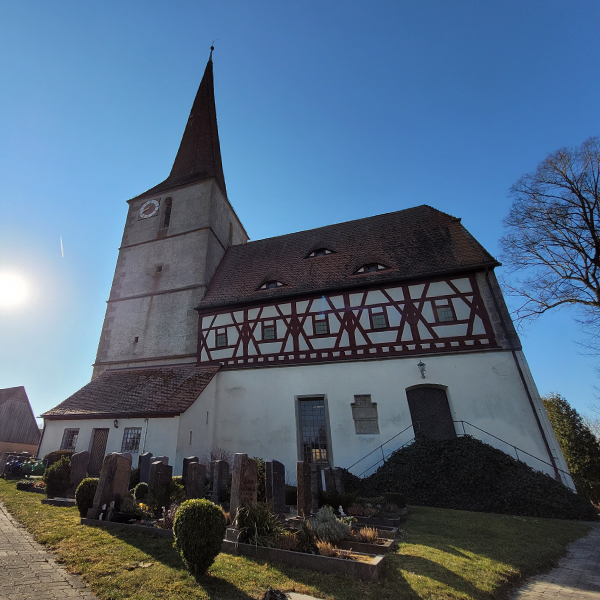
<point>522,376</point>
<point>145,435</point>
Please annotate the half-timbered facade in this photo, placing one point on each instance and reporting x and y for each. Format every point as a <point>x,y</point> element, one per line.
<point>323,345</point>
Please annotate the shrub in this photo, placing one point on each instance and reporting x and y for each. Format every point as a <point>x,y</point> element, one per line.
<point>167,493</point>
<point>168,517</point>
<point>261,479</point>
<point>177,492</point>
<point>57,477</point>
<point>335,500</point>
<point>258,525</point>
<point>291,495</point>
<point>366,534</point>
<point>395,498</point>
<point>198,528</point>
<point>84,494</point>
<point>140,491</point>
<point>134,478</point>
<point>466,474</point>
<point>288,540</point>
<point>56,455</point>
<point>326,549</point>
<point>306,540</point>
<point>328,528</point>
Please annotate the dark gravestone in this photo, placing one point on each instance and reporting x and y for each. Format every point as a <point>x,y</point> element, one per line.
<point>220,480</point>
<point>244,482</point>
<point>275,485</point>
<point>316,485</point>
<point>159,473</point>
<point>194,484</point>
<point>144,466</point>
<point>162,459</point>
<point>303,477</point>
<point>113,483</point>
<point>79,465</point>
<point>211,472</point>
<point>186,462</point>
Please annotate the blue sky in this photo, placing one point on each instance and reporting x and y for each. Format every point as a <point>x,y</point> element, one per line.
<point>328,111</point>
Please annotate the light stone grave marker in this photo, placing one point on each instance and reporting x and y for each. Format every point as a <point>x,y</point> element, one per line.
<point>113,483</point>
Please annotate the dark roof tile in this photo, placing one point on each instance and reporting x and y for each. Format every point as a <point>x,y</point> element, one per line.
<point>147,392</point>
<point>413,243</point>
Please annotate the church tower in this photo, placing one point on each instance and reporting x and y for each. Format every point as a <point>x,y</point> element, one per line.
<point>175,236</point>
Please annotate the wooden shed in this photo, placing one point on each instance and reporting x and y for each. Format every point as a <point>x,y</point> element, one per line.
<point>19,431</point>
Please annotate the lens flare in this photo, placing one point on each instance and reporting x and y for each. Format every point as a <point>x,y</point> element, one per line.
<point>13,290</point>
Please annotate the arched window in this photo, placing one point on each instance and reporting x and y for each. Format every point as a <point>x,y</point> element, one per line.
<point>371,268</point>
<point>270,285</point>
<point>320,252</point>
<point>168,207</point>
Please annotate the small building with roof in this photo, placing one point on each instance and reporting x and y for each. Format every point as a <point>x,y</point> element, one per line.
<point>325,346</point>
<point>19,431</point>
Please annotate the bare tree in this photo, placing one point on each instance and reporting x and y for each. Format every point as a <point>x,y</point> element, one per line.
<point>552,241</point>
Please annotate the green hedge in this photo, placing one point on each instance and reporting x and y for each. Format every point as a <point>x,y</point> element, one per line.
<point>467,474</point>
<point>57,477</point>
<point>56,455</point>
<point>84,494</point>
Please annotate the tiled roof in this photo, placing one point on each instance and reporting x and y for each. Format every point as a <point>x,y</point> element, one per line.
<point>199,155</point>
<point>166,391</point>
<point>413,243</point>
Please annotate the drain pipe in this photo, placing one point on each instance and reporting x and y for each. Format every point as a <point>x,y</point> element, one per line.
<point>522,375</point>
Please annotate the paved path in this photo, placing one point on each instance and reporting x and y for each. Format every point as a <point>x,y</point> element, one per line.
<point>28,572</point>
<point>577,576</point>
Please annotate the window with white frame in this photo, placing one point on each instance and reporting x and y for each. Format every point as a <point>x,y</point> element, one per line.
<point>131,439</point>
<point>69,440</point>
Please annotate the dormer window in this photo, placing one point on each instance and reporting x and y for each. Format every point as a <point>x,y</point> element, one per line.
<point>371,268</point>
<point>271,285</point>
<point>319,252</point>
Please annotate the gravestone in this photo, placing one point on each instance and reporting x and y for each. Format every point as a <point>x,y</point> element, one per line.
<point>316,485</point>
<point>220,480</point>
<point>275,485</point>
<point>159,473</point>
<point>162,459</point>
<point>194,484</point>
<point>244,482</point>
<point>144,466</point>
<point>211,472</point>
<point>126,455</point>
<point>79,465</point>
<point>303,478</point>
<point>113,483</point>
<point>186,463</point>
<point>333,480</point>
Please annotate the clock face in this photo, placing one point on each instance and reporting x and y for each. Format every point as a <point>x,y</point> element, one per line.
<point>149,209</point>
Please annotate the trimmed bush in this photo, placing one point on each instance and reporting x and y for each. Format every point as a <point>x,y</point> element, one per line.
<point>57,477</point>
<point>134,478</point>
<point>395,498</point>
<point>56,455</point>
<point>466,474</point>
<point>328,528</point>
<point>198,529</point>
<point>140,491</point>
<point>84,494</point>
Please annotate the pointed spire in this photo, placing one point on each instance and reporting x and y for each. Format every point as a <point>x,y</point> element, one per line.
<point>199,154</point>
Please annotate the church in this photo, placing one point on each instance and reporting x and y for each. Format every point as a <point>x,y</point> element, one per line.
<point>333,346</point>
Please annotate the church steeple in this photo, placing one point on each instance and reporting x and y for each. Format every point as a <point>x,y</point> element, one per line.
<point>199,154</point>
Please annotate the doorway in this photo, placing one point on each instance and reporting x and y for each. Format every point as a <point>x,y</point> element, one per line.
<point>98,448</point>
<point>430,413</point>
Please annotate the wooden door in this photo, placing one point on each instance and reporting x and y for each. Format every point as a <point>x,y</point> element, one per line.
<point>99,439</point>
<point>430,413</point>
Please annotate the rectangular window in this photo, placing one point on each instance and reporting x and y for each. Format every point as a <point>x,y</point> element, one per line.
<point>131,439</point>
<point>378,318</point>
<point>313,430</point>
<point>321,325</point>
<point>221,338</point>
<point>268,330</point>
<point>444,314</point>
<point>69,440</point>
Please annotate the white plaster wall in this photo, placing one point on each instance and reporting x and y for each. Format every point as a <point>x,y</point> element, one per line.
<point>198,419</point>
<point>256,410</point>
<point>161,437</point>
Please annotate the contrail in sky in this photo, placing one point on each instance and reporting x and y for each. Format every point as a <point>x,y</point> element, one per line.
<point>62,251</point>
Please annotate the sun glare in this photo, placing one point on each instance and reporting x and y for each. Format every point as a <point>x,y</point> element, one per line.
<point>13,290</point>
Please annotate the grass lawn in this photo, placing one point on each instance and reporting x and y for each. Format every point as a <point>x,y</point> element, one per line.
<point>445,554</point>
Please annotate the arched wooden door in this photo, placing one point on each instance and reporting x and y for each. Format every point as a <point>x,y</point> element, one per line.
<point>430,413</point>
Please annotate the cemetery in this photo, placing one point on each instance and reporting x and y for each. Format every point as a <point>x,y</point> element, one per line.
<point>327,524</point>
